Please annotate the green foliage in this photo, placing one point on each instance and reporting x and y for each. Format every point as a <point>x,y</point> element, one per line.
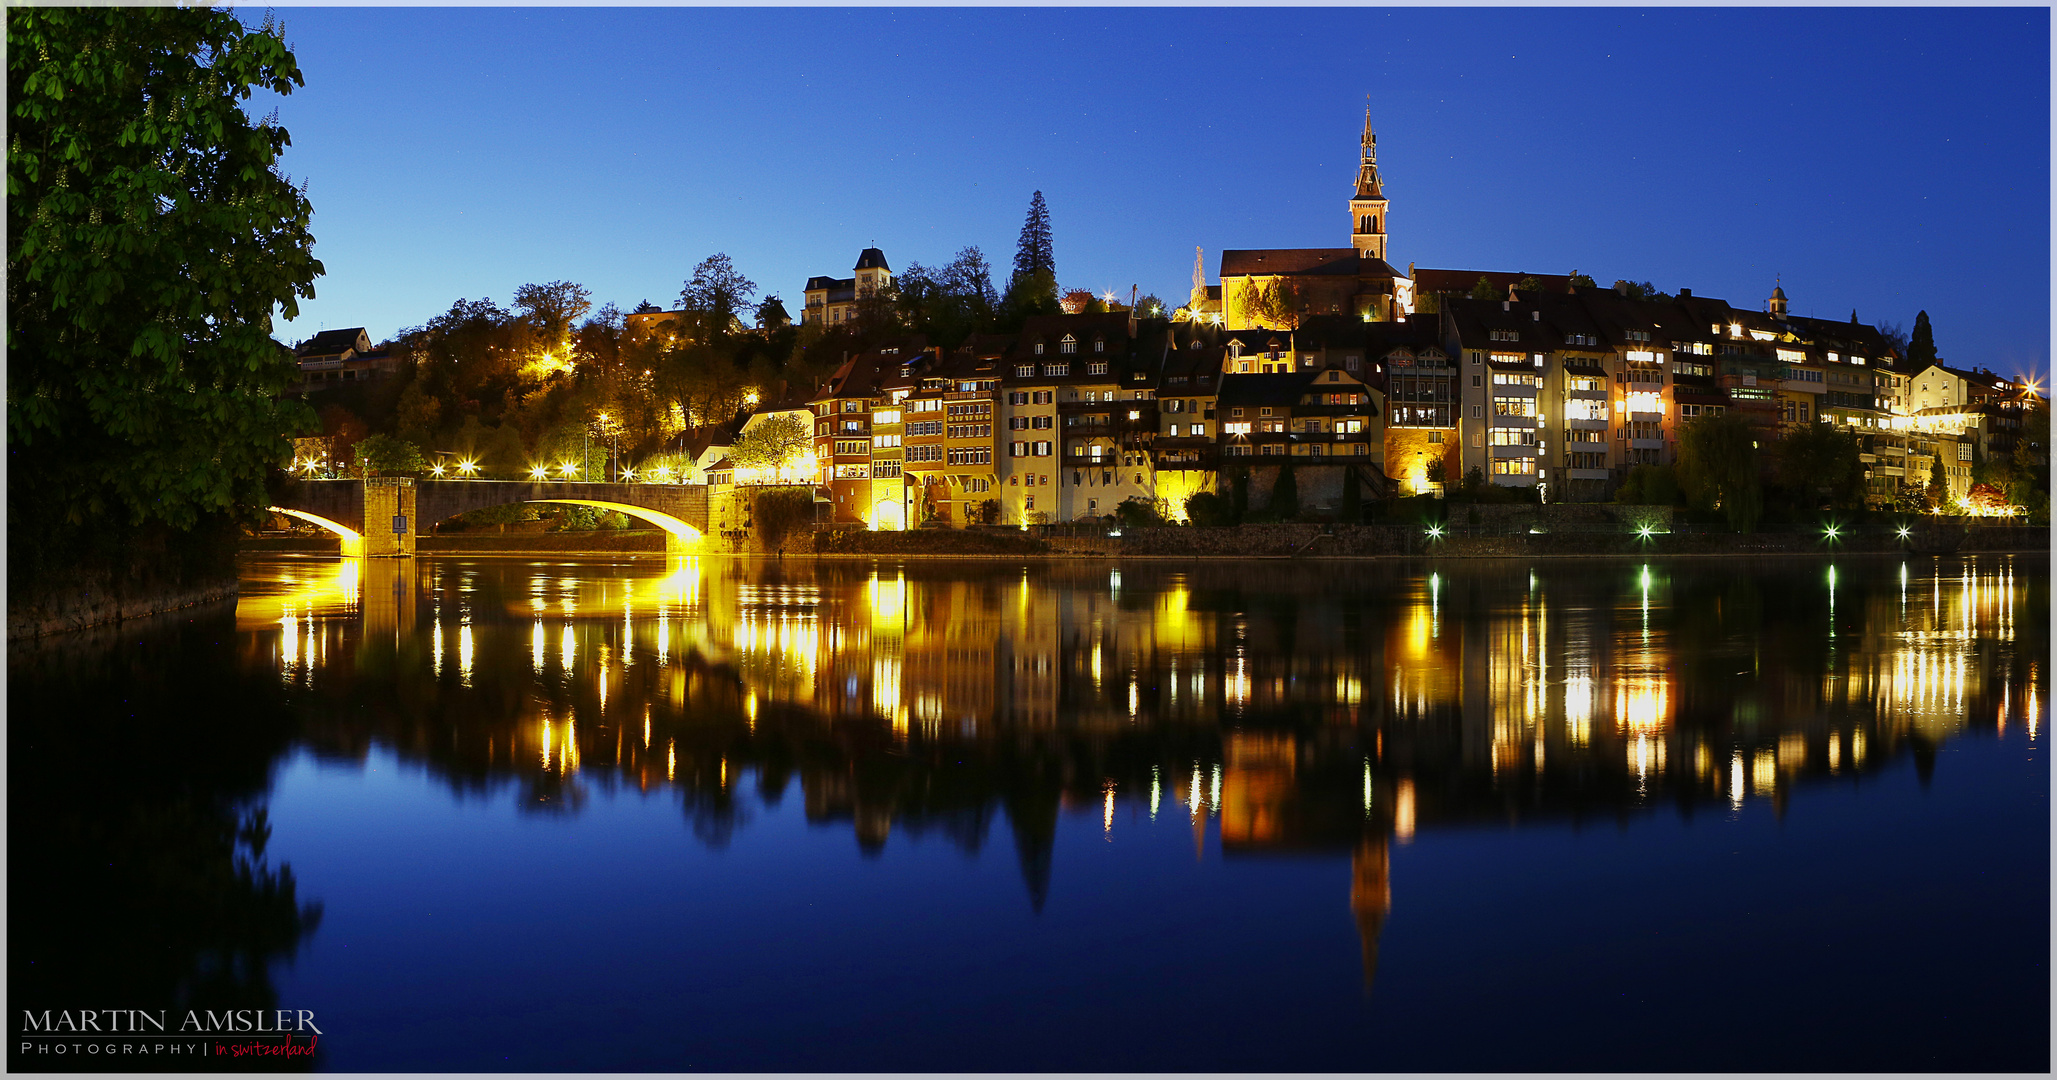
<point>384,455</point>
<point>1640,290</point>
<point>150,236</point>
<point>1938,483</point>
<point>1820,461</point>
<point>551,309</point>
<point>1285,494</point>
<point>1648,485</point>
<point>715,296</point>
<point>775,513</point>
<point>1210,508</point>
<point>1148,306</point>
<point>417,412</point>
<point>1717,468</point>
<point>1029,294</point>
<point>1033,253</point>
<point>1474,481</point>
<point>951,302</point>
<point>1583,281</point>
<point>1277,303</point>
<point>1437,472</point>
<point>1529,284</point>
<point>772,442</point>
<point>1137,512</point>
<point>578,518</point>
<point>1921,347</point>
<point>986,512</point>
<point>1485,289</point>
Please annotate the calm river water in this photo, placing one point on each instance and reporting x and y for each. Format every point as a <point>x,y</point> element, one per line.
<point>512,814</point>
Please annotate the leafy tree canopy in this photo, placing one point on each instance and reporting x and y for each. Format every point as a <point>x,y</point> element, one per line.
<point>151,236</point>
<point>716,294</point>
<point>773,442</point>
<point>1717,468</point>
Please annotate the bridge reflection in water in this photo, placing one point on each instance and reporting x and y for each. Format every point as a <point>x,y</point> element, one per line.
<point>1318,709</point>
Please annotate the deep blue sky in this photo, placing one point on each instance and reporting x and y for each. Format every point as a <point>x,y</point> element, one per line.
<point>1883,160</point>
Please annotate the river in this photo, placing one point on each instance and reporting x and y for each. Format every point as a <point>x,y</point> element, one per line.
<point>524,814</point>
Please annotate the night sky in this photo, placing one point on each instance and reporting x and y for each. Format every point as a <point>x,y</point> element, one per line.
<point>1882,160</point>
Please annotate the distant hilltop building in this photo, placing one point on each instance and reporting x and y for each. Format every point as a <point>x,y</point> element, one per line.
<point>833,301</point>
<point>338,356</point>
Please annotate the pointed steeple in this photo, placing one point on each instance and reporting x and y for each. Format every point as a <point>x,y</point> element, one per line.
<point>1367,172</point>
<point>1368,203</point>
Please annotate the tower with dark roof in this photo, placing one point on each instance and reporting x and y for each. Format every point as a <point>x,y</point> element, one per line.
<point>1777,304</point>
<point>1368,203</point>
<point>872,273</point>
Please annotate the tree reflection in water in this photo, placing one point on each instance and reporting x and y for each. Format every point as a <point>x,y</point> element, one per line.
<point>1336,708</point>
<point>140,757</point>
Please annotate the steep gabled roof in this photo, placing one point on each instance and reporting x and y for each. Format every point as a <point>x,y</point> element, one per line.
<point>1263,261</point>
<point>329,342</point>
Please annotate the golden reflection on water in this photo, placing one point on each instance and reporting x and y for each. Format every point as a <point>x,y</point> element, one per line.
<point>1549,677</point>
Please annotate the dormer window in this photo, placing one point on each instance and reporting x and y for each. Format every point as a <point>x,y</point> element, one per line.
<point>1039,348</point>
<point>1099,345</point>
<point>1068,345</point>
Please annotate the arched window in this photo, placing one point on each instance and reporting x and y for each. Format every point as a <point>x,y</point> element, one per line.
<point>1069,344</point>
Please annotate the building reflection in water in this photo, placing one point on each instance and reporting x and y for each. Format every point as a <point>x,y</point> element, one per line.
<point>1287,709</point>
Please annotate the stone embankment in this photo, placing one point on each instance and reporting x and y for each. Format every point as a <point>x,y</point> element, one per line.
<point>1494,536</point>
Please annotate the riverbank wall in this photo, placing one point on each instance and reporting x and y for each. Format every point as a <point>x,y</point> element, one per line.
<point>1283,541</point>
<point>118,575</point>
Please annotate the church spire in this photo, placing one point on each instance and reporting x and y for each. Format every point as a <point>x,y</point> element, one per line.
<point>1367,172</point>
<point>1368,204</point>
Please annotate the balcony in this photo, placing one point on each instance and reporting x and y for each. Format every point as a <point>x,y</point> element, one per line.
<point>1646,444</point>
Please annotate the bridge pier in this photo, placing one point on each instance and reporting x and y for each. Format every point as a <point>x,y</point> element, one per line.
<point>390,517</point>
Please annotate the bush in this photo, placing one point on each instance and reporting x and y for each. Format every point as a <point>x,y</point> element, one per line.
<point>1137,512</point>
<point>1210,508</point>
<point>1649,485</point>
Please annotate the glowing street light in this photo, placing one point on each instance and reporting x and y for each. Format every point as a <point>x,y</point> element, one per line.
<point>1831,532</point>
<point>468,468</point>
<point>1644,532</point>
<point>1435,532</point>
<point>566,468</point>
<point>436,469</point>
<point>628,474</point>
<point>539,472</point>
<point>1904,532</point>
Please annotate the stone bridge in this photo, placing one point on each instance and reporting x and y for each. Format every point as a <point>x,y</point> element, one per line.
<point>382,515</point>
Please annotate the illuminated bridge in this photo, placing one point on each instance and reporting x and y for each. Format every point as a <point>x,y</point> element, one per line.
<point>382,515</point>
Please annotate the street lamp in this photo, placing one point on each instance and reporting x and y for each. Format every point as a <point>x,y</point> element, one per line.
<point>468,468</point>
<point>539,472</point>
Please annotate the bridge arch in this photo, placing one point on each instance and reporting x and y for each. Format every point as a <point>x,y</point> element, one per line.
<point>682,532</point>
<point>353,541</point>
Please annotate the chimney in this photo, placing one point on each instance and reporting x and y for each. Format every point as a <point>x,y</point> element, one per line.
<point>1621,287</point>
<point>1685,294</point>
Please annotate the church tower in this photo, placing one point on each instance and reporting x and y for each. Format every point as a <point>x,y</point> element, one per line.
<point>1368,205</point>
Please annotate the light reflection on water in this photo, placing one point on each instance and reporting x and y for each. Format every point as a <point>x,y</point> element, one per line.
<point>1541,679</point>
